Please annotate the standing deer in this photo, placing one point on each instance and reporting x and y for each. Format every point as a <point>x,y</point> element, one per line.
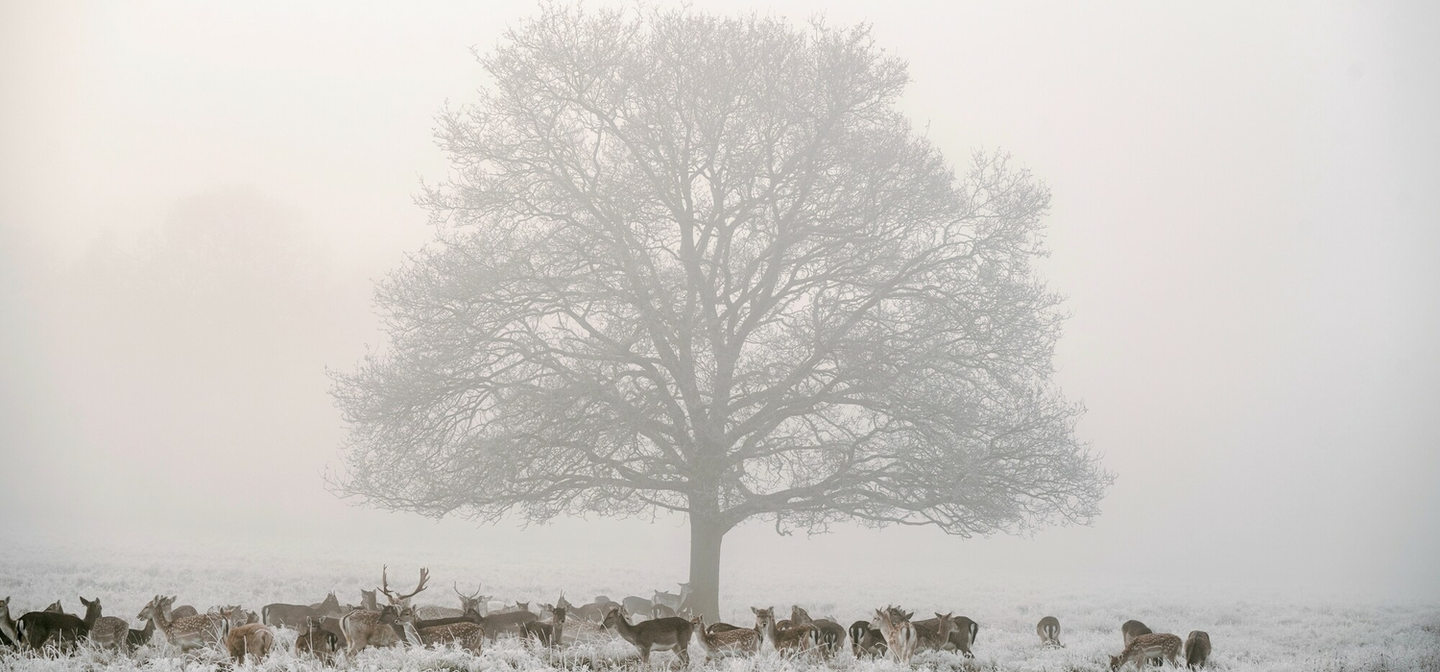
<point>8,634</point>
<point>865,640</point>
<point>135,639</point>
<point>963,637</point>
<point>110,632</point>
<point>933,634</point>
<point>1142,648</point>
<point>549,634</point>
<point>636,605</point>
<point>316,641</point>
<point>364,628</point>
<point>401,602</point>
<point>282,615</point>
<point>36,627</point>
<point>782,639</point>
<point>368,601</point>
<point>662,633</point>
<point>244,638</point>
<point>55,608</point>
<point>190,632</point>
<point>675,602</point>
<point>1132,629</point>
<point>900,635</point>
<point>732,641</point>
<point>831,635</point>
<point>1049,631</point>
<point>1197,649</point>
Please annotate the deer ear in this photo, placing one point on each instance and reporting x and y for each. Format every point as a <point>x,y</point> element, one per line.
<point>757,611</point>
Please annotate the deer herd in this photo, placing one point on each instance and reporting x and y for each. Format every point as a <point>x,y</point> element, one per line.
<point>328,630</point>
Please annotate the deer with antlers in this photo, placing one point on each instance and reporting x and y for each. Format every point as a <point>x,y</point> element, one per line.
<point>900,635</point>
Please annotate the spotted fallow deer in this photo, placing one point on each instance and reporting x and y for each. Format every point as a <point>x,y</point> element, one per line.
<point>728,642</point>
<point>781,639</point>
<point>1142,648</point>
<point>661,633</point>
<point>1049,630</point>
<point>190,632</point>
<point>110,632</point>
<point>363,629</point>
<point>1197,649</point>
<point>933,634</point>
<point>900,635</point>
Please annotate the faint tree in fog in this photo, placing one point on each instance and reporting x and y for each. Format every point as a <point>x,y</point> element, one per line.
<point>698,264</point>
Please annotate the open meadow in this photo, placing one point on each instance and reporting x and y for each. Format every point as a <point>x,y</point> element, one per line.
<point>1256,631</point>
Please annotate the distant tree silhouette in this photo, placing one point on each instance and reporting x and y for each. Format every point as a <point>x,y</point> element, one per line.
<point>702,264</point>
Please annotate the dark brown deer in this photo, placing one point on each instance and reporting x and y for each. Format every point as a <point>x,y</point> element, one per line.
<point>549,634</point>
<point>831,634</point>
<point>135,639</point>
<point>37,627</point>
<point>865,640</point>
<point>662,633</point>
<point>315,640</point>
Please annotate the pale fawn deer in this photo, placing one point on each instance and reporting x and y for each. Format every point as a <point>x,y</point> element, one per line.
<point>1142,648</point>
<point>363,629</point>
<point>900,635</point>
<point>190,632</point>
<point>782,639</point>
<point>661,633</point>
<point>246,639</point>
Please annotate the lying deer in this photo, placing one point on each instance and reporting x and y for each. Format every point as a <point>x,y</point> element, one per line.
<point>1142,648</point>
<point>549,634</point>
<point>728,642</point>
<point>662,633</point>
<point>782,640</point>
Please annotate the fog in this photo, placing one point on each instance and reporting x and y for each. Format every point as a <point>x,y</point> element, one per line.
<point>195,201</point>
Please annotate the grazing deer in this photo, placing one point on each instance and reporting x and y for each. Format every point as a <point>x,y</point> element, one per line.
<point>363,629</point>
<point>8,634</point>
<point>36,627</point>
<point>900,635</point>
<point>662,633</point>
<point>1132,629</point>
<point>726,642</point>
<point>1197,649</point>
<point>549,634</point>
<point>865,640</point>
<point>316,641</point>
<point>933,634</point>
<point>797,638</point>
<point>1049,631</point>
<point>252,639</point>
<point>831,634</point>
<point>110,632</point>
<point>190,632</point>
<point>1142,648</point>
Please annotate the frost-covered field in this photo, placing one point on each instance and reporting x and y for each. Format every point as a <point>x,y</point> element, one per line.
<point>1249,632</point>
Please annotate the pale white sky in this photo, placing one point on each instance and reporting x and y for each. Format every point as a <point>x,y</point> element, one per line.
<point>1245,220</point>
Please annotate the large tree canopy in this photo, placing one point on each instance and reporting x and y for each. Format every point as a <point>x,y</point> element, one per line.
<point>703,264</point>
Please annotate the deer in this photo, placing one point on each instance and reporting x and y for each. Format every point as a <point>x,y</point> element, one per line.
<point>1132,629</point>
<point>549,634</point>
<point>963,637</point>
<point>636,605</point>
<point>135,639</point>
<point>9,636</point>
<point>933,634</point>
<point>1049,630</point>
<point>595,611</point>
<point>831,634</point>
<point>900,635</point>
<point>36,627</point>
<point>317,641</point>
<point>111,632</point>
<point>782,640</point>
<point>282,615</point>
<point>1142,648</point>
<point>401,602</point>
<point>663,633</point>
<point>363,628</point>
<point>1197,649</point>
<point>368,601</point>
<point>190,632</point>
<point>726,642</point>
<point>865,640</point>
<point>672,600</point>
<point>253,639</point>
<point>183,611</point>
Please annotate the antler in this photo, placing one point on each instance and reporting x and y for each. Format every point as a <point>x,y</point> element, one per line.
<point>463,595</point>
<point>399,599</point>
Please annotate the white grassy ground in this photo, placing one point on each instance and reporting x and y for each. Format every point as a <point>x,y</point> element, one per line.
<point>1250,632</point>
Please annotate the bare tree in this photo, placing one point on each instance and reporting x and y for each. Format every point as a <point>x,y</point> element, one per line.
<point>701,264</point>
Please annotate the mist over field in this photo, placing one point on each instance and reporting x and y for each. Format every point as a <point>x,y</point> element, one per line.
<point>199,202</point>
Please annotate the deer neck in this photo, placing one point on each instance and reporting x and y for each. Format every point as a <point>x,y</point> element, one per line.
<point>771,632</point>
<point>7,626</point>
<point>625,630</point>
<point>92,614</point>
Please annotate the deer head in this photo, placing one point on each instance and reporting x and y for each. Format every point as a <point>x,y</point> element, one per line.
<point>471,602</point>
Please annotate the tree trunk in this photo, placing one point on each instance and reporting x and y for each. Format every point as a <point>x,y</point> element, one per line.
<point>705,538</point>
